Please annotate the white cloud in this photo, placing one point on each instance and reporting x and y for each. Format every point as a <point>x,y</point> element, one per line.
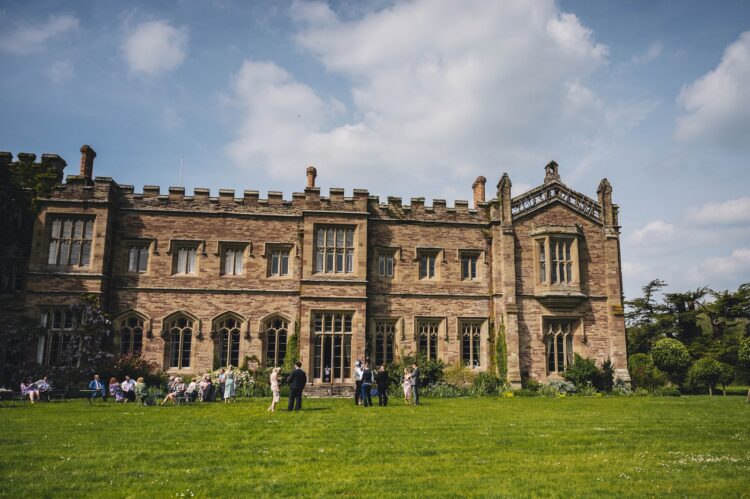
<point>655,231</point>
<point>736,265</point>
<point>440,91</point>
<point>718,103</point>
<point>24,40</point>
<point>633,270</point>
<point>155,46</point>
<point>60,71</point>
<point>652,53</point>
<point>733,211</point>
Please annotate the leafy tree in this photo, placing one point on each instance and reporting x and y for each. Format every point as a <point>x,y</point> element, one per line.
<point>743,352</point>
<point>583,372</point>
<point>728,309</point>
<point>726,377</point>
<point>647,319</point>
<point>672,357</point>
<point>705,372</point>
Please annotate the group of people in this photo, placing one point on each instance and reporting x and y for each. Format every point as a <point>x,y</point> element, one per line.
<point>36,390</point>
<point>364,378</point>
<point>129,390</point>
<point>202,388</point>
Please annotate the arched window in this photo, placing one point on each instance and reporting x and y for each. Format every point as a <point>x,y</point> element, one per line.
<point>385,333</point>
<point>427,333</point>
<point>130,328</point>
<point>228,341</point>
<point>276,333</point>
<point>559,343</point>
<point>180,338</point>
<point>471,334</point>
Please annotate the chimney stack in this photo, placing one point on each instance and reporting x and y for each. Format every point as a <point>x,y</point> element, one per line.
<point>478,187</point>
<point>311,174</point>
<point>87,161</point>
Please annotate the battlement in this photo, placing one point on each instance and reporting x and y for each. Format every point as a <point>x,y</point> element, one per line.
<point>53,162</point>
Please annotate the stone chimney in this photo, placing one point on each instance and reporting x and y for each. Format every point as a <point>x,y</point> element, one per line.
<point>87,161</point>
<point>311,174</point>
<point>550,173</point>
<point>478,187</point>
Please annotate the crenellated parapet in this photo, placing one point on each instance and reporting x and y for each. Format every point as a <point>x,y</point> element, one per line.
<point>52,163</point>
<point>418,211</point>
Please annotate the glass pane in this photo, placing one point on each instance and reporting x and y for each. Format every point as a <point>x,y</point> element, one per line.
<point>475,350</point>
<point>330,239</point>
<point>433,347</point>
<point>349,261</point>
<point>78,229</point>
<point>340,238</point>
<point>137,340</point>
<point>381,265</point>
<point>431,262</point>
<point>319,262</point>
<point>347,323</point>
<point>423,267</point>
<point>235,351</point>
<point>339,261</point>
<point>318,365</point>
<point>125,341</point>
<point>52,259</point>
<point>75,252</point>
<point>174,350</point>
<point>347,367</point>
<point>275,264</point>
<point>328,323</point>
<point>337,356</point>
<point>560,353</point>
<point>389,267</point>
<point>282,346</point>
<point>57,319</point>
<point>133,260</point>
<point>550,355</point>
<point>89,229</point>
<point>143,263</point>
<point>466,349</point>
<point>191,261</point>
<point>350,238</point>
<point>65,252</point>
<point>56,228</point>
<point>67,229</point>
<point>329,261</point>
<point>228,265</point>
<point>270,348</point>
<point>85,253</point>
<point>321,238</point>
<point>187,337</point>
<point>285,264</point>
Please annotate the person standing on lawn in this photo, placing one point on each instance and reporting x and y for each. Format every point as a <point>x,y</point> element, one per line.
<point>406,383</point>
<point>415,383</point>
<point>367,379</point>
<point>297,381</point>
<point>229,388</point>
<point>222,381</point>
<point>275,393</point>
<point>381,379</point>
<point>357,382</point>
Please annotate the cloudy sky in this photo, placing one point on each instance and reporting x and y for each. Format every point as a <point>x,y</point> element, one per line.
<point>412,99</point>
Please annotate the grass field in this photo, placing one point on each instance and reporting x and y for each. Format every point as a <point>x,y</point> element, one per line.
<point>687,446</point>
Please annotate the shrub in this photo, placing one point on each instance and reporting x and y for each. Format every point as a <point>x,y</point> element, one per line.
<point>459,376</point>
<point>672,357</point>
<point>431,371</point>
<point>743,353</point>
<point>583,372</point>
<point>526,392</point>
<point>587,391</point>
<point>485,384</point>
<point>443,390</point>
<point>557,387</point>
<point>643,373</point>
<point>533,385</point>
<point>667,391</point>
<point>134,366</point>
<point>706,372</point>
<point>607,376</point>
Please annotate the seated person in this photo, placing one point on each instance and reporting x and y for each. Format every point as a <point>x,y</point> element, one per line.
<point>178,390</point>
<point>192,390</point>
<point>43,388</point>
<point>29,389</point>
<point>141,394</point>
<point>96,388</point>
<point>115,390</point>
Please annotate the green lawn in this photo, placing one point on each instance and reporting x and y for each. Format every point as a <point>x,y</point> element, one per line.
<point>687,446</point>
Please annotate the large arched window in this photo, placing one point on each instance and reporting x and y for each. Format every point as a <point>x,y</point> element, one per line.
<point>427,334</point>
<point>227,341</point>
<point>276,332</point>
<point>130,327</point>
<point>559,342</point>
<point>179,341</point>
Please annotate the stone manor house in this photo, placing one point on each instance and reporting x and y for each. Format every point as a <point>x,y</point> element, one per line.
<point>194,282</point>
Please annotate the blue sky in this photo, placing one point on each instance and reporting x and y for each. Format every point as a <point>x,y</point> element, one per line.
<point>410,99</point>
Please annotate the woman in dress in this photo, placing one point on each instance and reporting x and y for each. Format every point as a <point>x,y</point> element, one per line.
<point>274,388</point>
<point>115,390</point>
<point>407,386</point>
<point>141,395</point>
<point>229,390</point>
<point>28,389</point>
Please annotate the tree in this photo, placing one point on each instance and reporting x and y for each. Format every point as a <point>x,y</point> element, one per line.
<point>672,357</point>
<point>644,374</point>
<point>705,372</point>
<point>583,372</point>
<point>743,353</point>
<point>647,319</point>
<point>726,377</point>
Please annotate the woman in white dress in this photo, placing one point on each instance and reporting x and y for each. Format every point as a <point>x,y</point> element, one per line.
<point>407,386</point>
<point>229,389</point>
<point>274,388</point>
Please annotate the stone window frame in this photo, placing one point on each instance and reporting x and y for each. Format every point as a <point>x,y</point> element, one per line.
<point>235,246</point>
<point>59,335</point>
<point>89,220</point>
<point>271,248</point>
<point>542,237</point>
<point>483,331</point>
<point>166,334</point>
<point>441,333</point>
<point>348,251</point>
<point>397,324</point>
<point>265,327</point>
<point>347,374</point>
<point>119,323</point>
<point>575,332</point>
<point>217,326</point>
<point>385,253</point>
<point>438,254</point>
<point>175,245</point>
<point>471,252</point>
<point>149,244</point>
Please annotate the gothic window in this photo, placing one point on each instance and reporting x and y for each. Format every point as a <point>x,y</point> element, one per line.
<point>278,265</point>
<point>228,341</point>
<point>185,258</point>
<point>138,257</point>
<point>427,335</point>
<point>558,337</point>
<point>562,263</point>
<point>334,250</point>
<point>383,341</point>
<point>469,265</point>
<point>276,332</point>
<point>556,260</point>
<point>131,335</point>
<point>61,344</point>
<point>427,263</point>
<point>179,341</point>
<point>471,343</point>
<point>332,334</point>
<point>232,259</point>
<point>385,264</point>
<point>70,241</point>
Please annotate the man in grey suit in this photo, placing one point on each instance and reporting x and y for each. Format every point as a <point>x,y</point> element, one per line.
<point>415,383</point>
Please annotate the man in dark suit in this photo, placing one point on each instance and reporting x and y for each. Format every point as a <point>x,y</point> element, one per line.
<point>381,378</point>
<point>297,381</point>
<point>415,383</point>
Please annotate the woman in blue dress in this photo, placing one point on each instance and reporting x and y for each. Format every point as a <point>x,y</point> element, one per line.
<point>229,390</point>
